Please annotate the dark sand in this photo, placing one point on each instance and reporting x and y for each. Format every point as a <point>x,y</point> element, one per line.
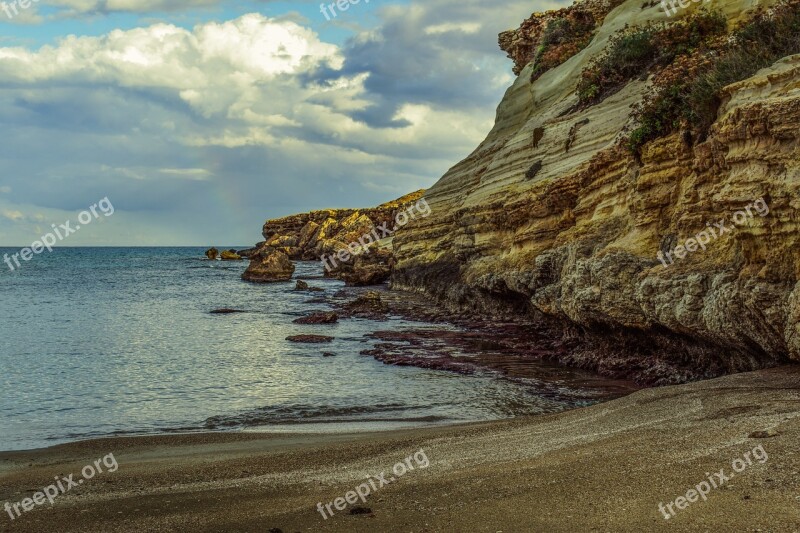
<point>603,468</point>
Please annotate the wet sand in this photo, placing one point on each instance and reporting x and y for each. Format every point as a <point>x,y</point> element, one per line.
<point>601,468</point>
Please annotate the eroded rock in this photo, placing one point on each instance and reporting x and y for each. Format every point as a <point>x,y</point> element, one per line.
<point>269,265</point>
<point>230,255</point>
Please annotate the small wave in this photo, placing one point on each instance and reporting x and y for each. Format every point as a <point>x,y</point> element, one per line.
<point>303,414</point>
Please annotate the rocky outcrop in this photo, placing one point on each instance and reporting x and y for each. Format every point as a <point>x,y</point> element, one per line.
<point>230,255</point>
<point>548,39</point>
<point>575,242</point>
<point>308,236</point>
<point>212,253</point>
<point>324,234</point>
<point>269,265</point>
<point>365,269</point>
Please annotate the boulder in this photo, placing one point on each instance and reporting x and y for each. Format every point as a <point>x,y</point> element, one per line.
<point>269,265</point>
<point>212,253</point>
<point>230,255</point>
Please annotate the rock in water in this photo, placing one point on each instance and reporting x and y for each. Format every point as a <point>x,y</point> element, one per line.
<point>269,265</point>
<point>226,311</point>
<point>303,286</point>
<point>212,253</point>
<point>368,305</point>
<point>318,318</point>
<point>229,255</point>
<point>310,339</point>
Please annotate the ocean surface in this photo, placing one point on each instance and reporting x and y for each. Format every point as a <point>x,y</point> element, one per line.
<point>120,341</point>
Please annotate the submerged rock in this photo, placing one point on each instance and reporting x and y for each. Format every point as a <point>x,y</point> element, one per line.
<point>226,311</point>
<point>368,305</point>
<point>269,265</point>
<point>318,318</point>
<point>303,286</point>
<point>309,339</point>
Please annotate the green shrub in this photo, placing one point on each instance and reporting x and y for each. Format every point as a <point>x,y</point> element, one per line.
<point>634,52</point>
<point>563,37</point>
<point>688,91</point>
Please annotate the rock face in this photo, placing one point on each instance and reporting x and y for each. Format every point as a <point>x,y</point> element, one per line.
<point>550,216</point>
<point>269,265</point>
<point>212,253</point>
<point>364,270</point>
<point>308,236</point>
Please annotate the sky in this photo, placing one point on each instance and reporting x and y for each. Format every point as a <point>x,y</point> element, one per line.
<point>200,119</point>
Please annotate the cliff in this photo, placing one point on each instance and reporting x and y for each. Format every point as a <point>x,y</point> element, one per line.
<point>321,234</point>
<point>561,213</point>
<point>308,236</point>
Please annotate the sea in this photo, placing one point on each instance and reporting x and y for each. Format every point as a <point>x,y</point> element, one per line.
<point>98,342</point>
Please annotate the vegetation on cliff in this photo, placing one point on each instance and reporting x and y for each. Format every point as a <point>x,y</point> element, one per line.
<point>635,52</point>
<point>553,217</point>
<point>549,39</point>
<point>688,92</point>
<point>563,37</point>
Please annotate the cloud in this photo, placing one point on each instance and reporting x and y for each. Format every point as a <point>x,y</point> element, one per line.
<point>210,130</point>
<point>135,6</point>
<point>13,215</point>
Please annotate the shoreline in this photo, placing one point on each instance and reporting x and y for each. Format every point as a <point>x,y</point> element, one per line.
<point>603,467</point>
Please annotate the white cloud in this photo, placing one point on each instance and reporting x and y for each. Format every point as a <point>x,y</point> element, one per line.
<point>246,119</point>
<point>463,27</point>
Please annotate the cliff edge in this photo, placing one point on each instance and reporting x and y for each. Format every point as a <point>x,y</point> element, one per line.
<point>595,202</point>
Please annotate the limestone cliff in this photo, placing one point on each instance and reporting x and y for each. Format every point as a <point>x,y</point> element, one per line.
<point>312,236</point>
<point>308,236</point>
<point>553,217</point>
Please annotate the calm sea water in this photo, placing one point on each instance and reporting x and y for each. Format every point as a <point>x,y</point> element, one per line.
<point>111,341</point>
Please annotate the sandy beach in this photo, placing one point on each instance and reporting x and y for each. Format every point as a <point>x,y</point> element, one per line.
<point>602,468</point>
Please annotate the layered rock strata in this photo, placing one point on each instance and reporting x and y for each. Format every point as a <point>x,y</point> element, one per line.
<point>310,236</point>
<point>552,218</point>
